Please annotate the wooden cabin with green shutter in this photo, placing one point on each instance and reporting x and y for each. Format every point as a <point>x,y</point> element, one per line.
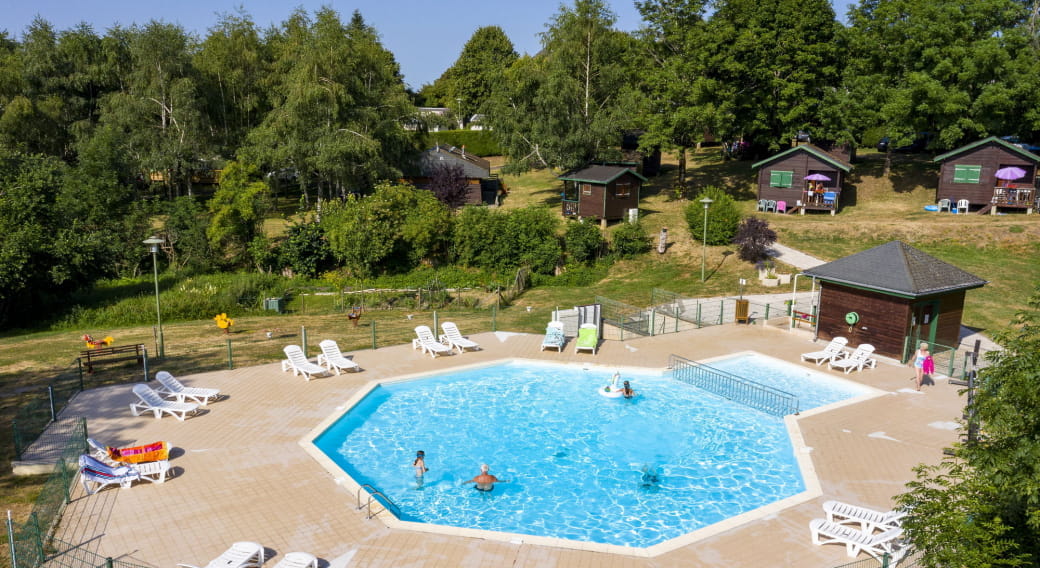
<point>968,175</point>
<point>783,183</point>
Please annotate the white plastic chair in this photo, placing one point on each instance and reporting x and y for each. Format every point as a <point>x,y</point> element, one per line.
<point>240,555</point>
<point>149,400</point>
<point>868,520</point>
<point>963,206</point>
<point>833,350</point>
<point>855,541</point>
<point>453,337</point>
<point>171,387</point>
<point>333,358</point>
<point>428,343</point>
<point>298,363</point>
<point>859,358</point>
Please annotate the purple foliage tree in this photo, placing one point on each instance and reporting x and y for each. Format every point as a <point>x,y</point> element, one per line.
<point>753,239</point>
<point>449,184</point>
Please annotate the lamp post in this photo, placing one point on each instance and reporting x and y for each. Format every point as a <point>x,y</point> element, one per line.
<point>707,201</point>
<point>458,109</point>
<point>153,247</point>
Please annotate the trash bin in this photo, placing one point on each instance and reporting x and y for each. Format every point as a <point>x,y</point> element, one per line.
<point>275,304</point>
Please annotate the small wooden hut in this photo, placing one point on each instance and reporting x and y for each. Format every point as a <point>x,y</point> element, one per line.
<point>604,192</point>
<point>802,178</point>
<point>483,186</point>
<point>898,295</point>
<point>968,177</point>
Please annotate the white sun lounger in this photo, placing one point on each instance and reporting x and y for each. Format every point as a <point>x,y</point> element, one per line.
<point>297,560</point>
<point>859,358</point>
<point>833,350</point>
<point>299,365</point>
<point>855,541</point>
<point>428,343</point>
<point>171,387</point>
<point>333,358</point>
<point>453,337</point>
<point>149,400</point>
<point>868,520</point>
<point>240,555</point>
<point>95,475</point>
<point>554,338</point>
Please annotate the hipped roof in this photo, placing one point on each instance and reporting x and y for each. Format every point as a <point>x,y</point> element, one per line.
<point>899,269</point>
<point>598,173</point>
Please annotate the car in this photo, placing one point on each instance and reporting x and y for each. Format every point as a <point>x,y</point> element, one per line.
<point>1027,146</point>
<point>920,144</point>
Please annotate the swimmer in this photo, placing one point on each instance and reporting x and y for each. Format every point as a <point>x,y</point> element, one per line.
<point>649,477</point>
<point>420,464</point>
<point>626,390</point>
<point>485,481</point>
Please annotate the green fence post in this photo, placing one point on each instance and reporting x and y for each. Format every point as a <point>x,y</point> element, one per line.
<point>303,339</point>
<point>50,398</point>
<point>230,363</point>
<point>435,328</point>
<point>885,558</point>
<point>79,365</point>
<point>38,534</point>
<point>698,315</point>
<point>65,481</point>
<point>653,324</point>
<point>108,562</point>
<point>373,334</point>
<point>722,310</point>
<point>144,362</point>
<point>766,318</point>
<point>953,355</point>
<point>494,318</point>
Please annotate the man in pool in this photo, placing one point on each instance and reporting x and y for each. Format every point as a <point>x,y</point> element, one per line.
<point>485,481</point>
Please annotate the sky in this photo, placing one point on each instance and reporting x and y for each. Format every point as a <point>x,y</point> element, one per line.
<point>425,36</point>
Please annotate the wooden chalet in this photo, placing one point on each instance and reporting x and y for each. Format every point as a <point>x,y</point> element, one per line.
<point>968,177</point>
<point>782,183</point>
<point>604,192</point>
<point>899,295</point>
<point>484,187</point>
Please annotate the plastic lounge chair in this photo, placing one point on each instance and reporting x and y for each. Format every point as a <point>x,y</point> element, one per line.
<point>156,451</point>
<point>333,358</point>
<point>588,338</point>
<point>240,555</point>
<point>868,520</point>
<point>428,343</point>
<point>963,206</point>
<point>855,541</point>
<point>171,387</point>
<point>93,471</point>
<point>859,358</point>
<point>299,364</point>
<point>297,560</point>
<point>944,204</point>
<point>149,400</point>
<point>554,337</point>
<point>453,337</point>
<point>833,350</point>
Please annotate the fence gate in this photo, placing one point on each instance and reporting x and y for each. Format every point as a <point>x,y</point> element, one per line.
<point>625,317</point>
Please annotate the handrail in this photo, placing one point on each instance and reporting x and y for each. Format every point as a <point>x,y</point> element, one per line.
<point>373,493</point>
<point>738,389</point>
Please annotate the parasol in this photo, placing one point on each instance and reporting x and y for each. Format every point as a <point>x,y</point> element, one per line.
<point>1009,173</point>
<point>821,177</point>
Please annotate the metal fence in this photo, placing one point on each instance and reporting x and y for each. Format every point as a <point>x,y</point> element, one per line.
<point>738,389</point>
<point>630,320</point>
<point>910,560</point>
<point>28,544</point>
<point>949,360</point>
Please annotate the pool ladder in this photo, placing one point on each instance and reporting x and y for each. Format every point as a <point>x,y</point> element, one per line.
<point>372,494</point>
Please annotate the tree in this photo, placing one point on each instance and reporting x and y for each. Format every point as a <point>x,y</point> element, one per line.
<point>569,104</point>
<point>770,66</point>
<point>679,106</point>
<point>449,184</point>
<point>981,506</point>
<point>629,240</point>
<point>473,76</point>
<point>723,217</point>
<point>237,210</point>
<point>754,237</point>
<point>306,250</point>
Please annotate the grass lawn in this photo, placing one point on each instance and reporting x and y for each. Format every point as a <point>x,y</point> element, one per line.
<point>1001,249</point>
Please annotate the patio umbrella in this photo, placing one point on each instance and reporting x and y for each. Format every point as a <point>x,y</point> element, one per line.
<point>821,177</point>
<point>1009,173</point>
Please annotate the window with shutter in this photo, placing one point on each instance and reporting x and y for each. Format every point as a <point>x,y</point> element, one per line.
<point>779,178</point>
<point>966,174</point>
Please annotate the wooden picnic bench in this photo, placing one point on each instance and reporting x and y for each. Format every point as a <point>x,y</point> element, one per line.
<point>806,317</point>
<point>115,353</point>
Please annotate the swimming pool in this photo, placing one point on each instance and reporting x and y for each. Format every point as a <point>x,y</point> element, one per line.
<point>574,458</point>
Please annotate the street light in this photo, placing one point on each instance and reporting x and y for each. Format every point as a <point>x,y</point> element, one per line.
<point>458,109</point>
<point>704,239</point>
<point>153,247</point>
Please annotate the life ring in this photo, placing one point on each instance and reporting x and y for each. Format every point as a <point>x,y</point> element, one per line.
<point>851,318</point>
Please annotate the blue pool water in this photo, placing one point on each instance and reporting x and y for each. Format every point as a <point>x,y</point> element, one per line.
<point>573,458</point>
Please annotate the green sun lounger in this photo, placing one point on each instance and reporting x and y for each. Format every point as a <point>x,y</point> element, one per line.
<point>588,338</point>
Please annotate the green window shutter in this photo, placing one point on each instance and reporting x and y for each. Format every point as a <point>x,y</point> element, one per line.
<point>778,178</point>
<point>966,174</point>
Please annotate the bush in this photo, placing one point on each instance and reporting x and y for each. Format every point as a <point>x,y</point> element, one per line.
<point>723,217</point>
<point>582,241</point>
<point>629,240</point>
<point>574,275</point>
<point>477,142</point>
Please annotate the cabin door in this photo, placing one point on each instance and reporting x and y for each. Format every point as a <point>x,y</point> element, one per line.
<point>924,321</point>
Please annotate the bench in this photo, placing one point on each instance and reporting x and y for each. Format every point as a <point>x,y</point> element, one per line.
<point>806,317</point>
<point>117,353</point>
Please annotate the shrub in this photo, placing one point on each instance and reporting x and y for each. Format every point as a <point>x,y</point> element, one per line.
<point>754,237</point>
<point>723,217</point>
<point>629,240</point>
<point>582,241</point>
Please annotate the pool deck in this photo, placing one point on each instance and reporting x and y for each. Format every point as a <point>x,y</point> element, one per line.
<point>240,472</point>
